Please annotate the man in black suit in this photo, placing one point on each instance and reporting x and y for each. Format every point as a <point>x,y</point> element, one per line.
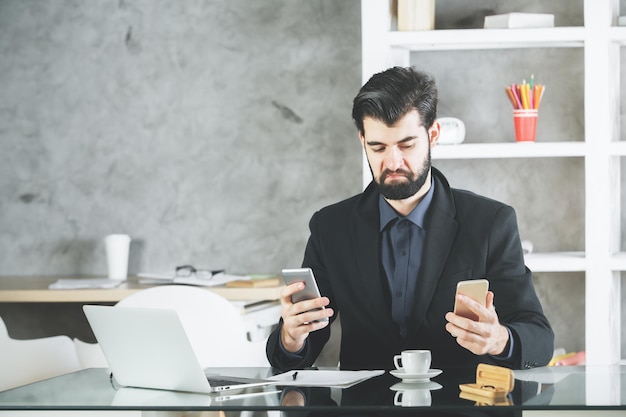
<point>389,259</point>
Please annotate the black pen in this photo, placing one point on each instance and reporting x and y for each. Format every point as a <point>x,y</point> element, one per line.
<point>295,375</point>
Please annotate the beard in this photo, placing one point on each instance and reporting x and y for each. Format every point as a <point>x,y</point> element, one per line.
<point>404,189</point>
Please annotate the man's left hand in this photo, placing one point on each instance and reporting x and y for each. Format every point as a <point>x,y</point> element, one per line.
<point>485,336</point>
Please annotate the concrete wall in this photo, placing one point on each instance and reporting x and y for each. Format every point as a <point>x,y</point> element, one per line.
<point>210,131</point>
<point>207,130</point>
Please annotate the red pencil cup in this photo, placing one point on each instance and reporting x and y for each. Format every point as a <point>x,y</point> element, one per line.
<point>525,121</point>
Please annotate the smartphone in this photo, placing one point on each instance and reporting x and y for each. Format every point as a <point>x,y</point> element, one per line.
<point>476,289</point>
<point>310,289</point>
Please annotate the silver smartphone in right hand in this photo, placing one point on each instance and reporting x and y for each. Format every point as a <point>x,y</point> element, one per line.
<point>310,289</point>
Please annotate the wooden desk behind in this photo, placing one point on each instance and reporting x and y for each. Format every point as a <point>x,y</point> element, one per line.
<point>30,289</point>
<point>31,310</point>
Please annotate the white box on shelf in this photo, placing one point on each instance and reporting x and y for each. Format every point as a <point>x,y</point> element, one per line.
<point>621,21</point>
<point>416,15</point>
<point>519,20</point>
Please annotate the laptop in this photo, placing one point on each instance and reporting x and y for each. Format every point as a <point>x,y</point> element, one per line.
<point>148,348</point>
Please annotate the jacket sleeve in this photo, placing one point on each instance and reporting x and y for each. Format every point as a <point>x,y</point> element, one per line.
<point>515,299</point>
<point>279,359</point>
<point>276,355</point>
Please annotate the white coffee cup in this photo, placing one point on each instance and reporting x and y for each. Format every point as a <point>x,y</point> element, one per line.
<point>412,397</point>
<point>117,247</point>
<point>413,361</point>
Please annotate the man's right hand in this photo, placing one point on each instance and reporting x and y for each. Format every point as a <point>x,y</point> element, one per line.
<point>300,319</point>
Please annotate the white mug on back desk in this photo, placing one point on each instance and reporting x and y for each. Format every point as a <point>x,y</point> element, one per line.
<point>413,361</point>
<point>117,247</point>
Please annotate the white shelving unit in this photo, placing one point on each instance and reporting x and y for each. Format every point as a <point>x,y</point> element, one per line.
<point>510,150</point>
<point>602,261</point>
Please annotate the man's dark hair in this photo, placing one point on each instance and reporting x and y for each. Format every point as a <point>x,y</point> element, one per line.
<point>391,94</point>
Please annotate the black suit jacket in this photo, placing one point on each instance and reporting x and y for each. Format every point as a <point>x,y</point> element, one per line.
<point>467,237</point>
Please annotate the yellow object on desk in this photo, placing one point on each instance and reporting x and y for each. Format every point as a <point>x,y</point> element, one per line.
<point>493,384</point>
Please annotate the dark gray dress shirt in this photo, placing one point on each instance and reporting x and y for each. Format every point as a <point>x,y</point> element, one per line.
<point>402,245</point>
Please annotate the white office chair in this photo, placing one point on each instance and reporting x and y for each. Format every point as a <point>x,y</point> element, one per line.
<point>214,326</point>
<point>31,360</point>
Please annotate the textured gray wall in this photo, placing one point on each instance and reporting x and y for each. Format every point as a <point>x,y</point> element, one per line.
<point>211,130</point>
<point>207,130</point>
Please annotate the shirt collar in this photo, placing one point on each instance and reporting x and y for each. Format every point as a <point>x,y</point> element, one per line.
<point>416,216</point>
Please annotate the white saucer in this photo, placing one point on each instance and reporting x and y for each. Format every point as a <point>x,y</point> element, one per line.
<point>423,385</point>
<point>399,373</point>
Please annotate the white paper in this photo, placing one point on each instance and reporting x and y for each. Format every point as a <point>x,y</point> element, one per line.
<point>84,283</point>
<point>219,279</point>
<point>164,278</point>
<point>324,378</point>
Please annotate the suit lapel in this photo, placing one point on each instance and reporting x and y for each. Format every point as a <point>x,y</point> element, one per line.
<point>441,232</point>
<point>440,235</point>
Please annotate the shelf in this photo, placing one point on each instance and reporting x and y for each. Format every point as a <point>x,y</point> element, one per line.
<point>510,150</point>
<point>556,261</point>
<point>437,40</point>
<point>618,34</point>
<point>602,49</point>
<point>618,148</point>
<point>618,261</point>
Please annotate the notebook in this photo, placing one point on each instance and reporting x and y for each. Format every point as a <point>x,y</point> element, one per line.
<point>148,348</point>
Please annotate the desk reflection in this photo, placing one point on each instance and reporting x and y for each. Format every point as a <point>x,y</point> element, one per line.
<point>439,397</point>
<point>571,388</point>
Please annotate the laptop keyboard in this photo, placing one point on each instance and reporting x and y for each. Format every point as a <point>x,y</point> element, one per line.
<point>220,382</point>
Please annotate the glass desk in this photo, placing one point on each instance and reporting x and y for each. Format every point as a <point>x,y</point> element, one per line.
<point>566,390</point>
